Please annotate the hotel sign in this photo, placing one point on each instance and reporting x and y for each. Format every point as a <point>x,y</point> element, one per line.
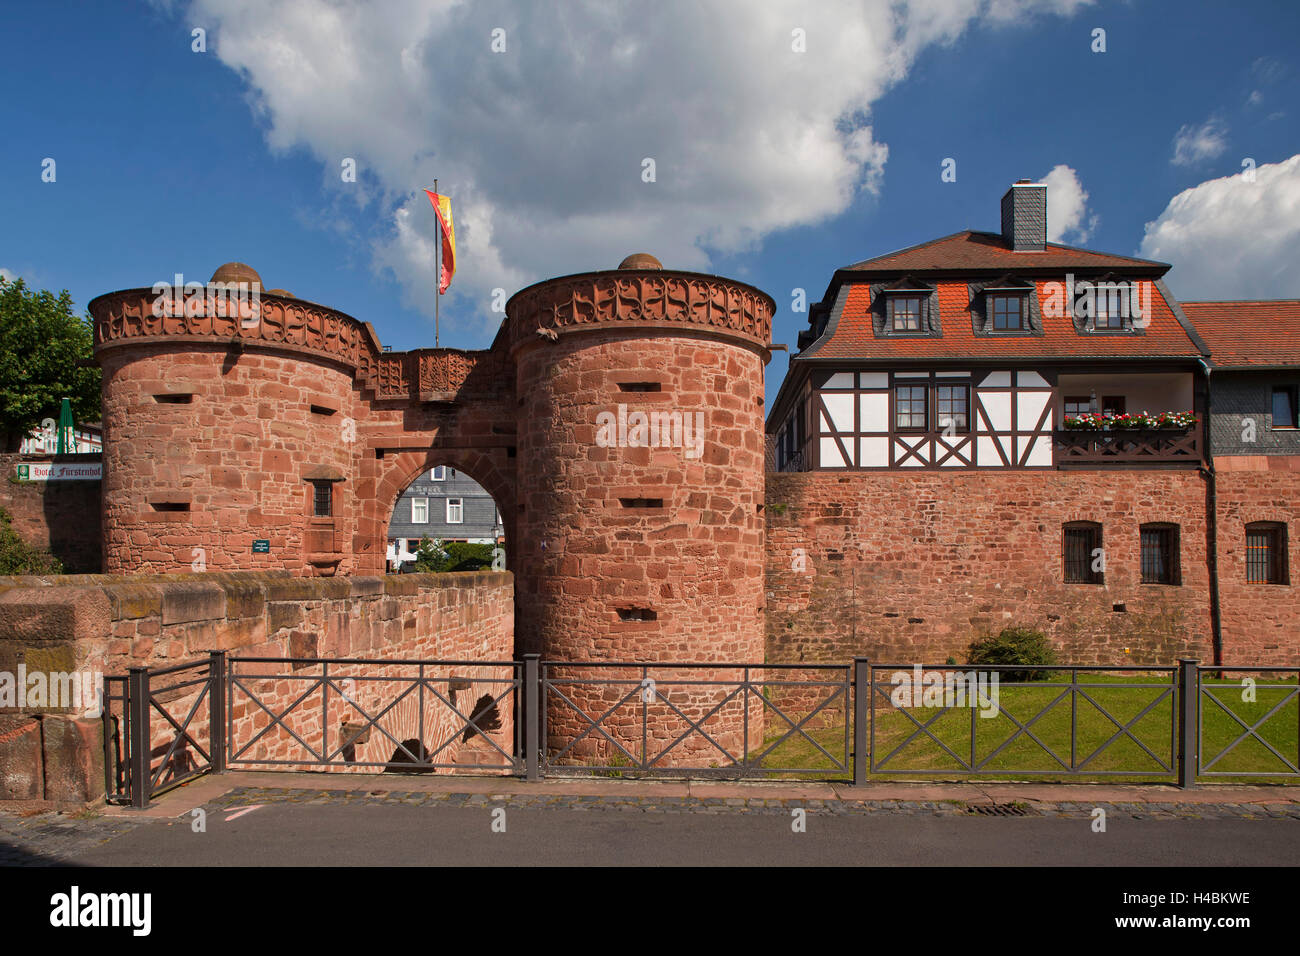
<point>58,471</point>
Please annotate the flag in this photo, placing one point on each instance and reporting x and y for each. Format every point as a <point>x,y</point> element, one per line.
<point>442,206</point>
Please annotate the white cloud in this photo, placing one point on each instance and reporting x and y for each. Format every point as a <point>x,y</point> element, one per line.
<point>1194,144</point>
<point>1068,218</point>
<point>7,275</point>
<point>541,147</point>
<point>1233,239</point>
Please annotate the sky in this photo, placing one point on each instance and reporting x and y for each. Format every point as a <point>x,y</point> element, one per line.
<point>784,140</point>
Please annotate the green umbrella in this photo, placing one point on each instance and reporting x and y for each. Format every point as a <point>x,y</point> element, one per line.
<point>67,435</point>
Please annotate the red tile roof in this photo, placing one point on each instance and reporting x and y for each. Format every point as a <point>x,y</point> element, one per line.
<point>1244,334</point>
<point>988,250</point>
<point>853,337</point>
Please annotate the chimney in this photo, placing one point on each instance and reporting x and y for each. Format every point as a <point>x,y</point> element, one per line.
<point>1024,216</point>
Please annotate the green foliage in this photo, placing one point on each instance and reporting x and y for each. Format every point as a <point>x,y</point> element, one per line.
<point>1014,645</point>
<point>435,557</point>
<point>19,557</point>
<point>43,346</point>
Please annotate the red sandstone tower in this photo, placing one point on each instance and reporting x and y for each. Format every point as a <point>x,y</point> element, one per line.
<point>640,543</point>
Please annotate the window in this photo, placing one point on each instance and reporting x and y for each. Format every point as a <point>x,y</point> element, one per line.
<point>1112,306</point>
<point>905,313</point>
<point>1284,406</point>
<point>909,407</point>
<point>1266,553</point>
<point>455,511</point>
<point>322,499</point>
<point>1008,313</point>
<point>1159,553</point>
<point>419,511</point>
<point>438,473</point>
<point>1113,405</point>
<point>952,403</point>
<point>1076,405</point>
<point>1084,559</point>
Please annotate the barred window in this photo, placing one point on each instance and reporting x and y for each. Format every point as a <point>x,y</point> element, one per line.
<point>322,499</point>
<point>1159,544</point>
<point>1266,553</point>
<point>1081,546</point>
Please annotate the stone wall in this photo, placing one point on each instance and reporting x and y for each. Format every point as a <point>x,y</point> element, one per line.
<point>913,567</point>
<point>105,624</point>
<point>61,517</point>
<point>1260,622</point>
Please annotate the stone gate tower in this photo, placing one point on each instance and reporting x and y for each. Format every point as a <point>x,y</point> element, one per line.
<point>617,420</point>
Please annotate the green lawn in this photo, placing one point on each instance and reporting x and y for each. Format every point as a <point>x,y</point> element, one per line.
<point>1025,758</point>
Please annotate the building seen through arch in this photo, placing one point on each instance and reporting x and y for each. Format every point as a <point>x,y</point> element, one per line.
<point>445,505</point>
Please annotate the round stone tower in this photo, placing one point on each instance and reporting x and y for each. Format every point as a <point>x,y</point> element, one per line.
<point>640,471</point>
<point>226,419</point>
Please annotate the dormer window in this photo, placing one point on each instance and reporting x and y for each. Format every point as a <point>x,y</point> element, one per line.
<point>1007,305</point>
<point>905,307</point>
<point>905,313</point>
<point>1111,308</point>
<point>1007,311</point>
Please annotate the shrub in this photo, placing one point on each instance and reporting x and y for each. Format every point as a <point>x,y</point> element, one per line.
<point>436,557</point>
<point>1014,645</point>
<point>19,557</point>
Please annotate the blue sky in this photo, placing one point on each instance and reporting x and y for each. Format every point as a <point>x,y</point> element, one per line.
<point>772,165</point>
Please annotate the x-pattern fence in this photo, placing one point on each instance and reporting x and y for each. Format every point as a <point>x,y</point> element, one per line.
<point>679,724</point>
<point>1042,716</point>
<point>533,718</point>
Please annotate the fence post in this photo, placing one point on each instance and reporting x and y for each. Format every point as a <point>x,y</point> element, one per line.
<point>1189,691</point>
<point>532,708</point>
<point>217,710</point>
<point>861,707</point>
<point>138,734</point>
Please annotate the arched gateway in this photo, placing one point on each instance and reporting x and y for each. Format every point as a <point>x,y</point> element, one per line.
<point>617,420</point>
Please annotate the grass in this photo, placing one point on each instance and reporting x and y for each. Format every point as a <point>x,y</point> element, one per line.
<point>1026,759</point>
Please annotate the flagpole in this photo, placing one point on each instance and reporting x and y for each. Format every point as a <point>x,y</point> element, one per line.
<point>437,267</point>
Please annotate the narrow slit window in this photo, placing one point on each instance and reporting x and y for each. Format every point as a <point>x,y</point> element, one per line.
<point>640,387</point>
<point>637,614</point>
<point>642,502</point>
<point>183,398</point>
<point>171,505</point>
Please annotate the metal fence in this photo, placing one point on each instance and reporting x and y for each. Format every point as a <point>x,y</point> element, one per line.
<point>684,719</point>
<point>1274,717</point>
<point>145,755</point>
<point>554,718</point>
<point>368,713</point>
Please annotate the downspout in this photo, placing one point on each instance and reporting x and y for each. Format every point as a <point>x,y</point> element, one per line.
<point>1212,527</point>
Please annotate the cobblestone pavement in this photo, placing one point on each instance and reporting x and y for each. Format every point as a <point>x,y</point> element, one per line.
<point>55,839</point>
<point>245,796</point>
<point>50,839</point>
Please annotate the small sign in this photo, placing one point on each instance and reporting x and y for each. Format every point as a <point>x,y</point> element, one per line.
<point>262,546</point>
<point>90,471</point>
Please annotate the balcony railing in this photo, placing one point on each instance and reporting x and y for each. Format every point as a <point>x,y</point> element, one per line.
<point>1129,446</point>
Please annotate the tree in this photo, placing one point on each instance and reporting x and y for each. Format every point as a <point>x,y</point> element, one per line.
<point>46,355</point>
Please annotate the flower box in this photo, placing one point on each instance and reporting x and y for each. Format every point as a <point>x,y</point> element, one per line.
<point>1096,421</point>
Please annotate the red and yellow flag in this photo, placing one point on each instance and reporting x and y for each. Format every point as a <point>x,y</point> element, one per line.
<point>442,206</point>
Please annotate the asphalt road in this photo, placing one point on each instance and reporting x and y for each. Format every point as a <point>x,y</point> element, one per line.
<point>383,834</point>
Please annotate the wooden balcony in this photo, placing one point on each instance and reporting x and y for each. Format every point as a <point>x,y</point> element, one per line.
<point>1130,447</point>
